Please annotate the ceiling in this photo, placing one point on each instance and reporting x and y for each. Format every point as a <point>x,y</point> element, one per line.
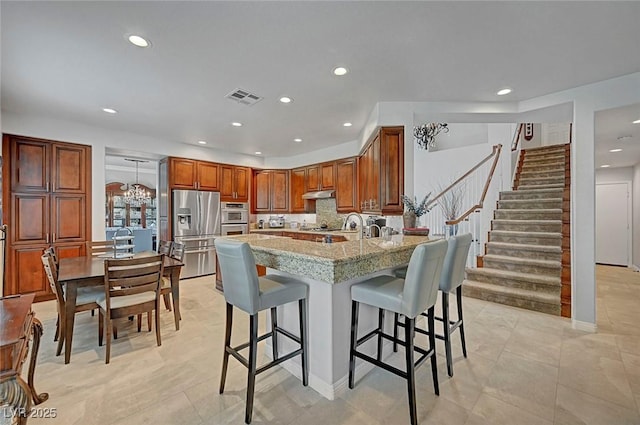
<point>68,60</point>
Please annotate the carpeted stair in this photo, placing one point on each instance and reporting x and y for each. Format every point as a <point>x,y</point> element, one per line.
<point>522,265</point>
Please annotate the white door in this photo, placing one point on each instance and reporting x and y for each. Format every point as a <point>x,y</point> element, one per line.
<point>613,230</point>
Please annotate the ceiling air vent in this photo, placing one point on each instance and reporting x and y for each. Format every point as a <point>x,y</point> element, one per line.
<point>244,97</point>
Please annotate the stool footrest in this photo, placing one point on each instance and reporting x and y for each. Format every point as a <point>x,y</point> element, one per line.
<point>424,353</point>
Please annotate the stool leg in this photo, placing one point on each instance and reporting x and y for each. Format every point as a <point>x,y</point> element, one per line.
<point>274,334</point>
<point>409,331</point>
<point>432,346</point>
<point>302,307</point>
<point>251,379</point>
<point>459,301</point>
<point>395,332</point>
<point>447,332</point>
<point>227,346</point>
<point>380,329</point>
<point>354,340</point>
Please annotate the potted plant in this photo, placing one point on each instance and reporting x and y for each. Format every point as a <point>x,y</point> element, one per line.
<point>414,209</point>
<point>451,205</point>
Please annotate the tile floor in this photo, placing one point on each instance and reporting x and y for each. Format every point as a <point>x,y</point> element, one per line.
<point>523,368</point>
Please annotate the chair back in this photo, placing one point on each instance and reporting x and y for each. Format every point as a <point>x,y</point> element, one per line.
<point>132,276</point>
<point>454,262</point>
<point>100,247</point>
<point>55,264</point>
<point>177,251</point>
<point>165,247</point>
<point>239,275</point>
<point>51,270</point>
<point>423,275</point>
<point>54,255</point>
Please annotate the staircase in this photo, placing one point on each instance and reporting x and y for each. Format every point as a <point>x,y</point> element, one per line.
<point>525,265</point>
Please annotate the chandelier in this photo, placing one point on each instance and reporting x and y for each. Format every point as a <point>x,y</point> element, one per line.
<point>425,134</point>
<point>135,195</point>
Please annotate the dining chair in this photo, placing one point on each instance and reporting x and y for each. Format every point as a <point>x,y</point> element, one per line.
<point>86,298</point>
<point>131,287</point>
<point>246,291</point>
<point>410,297</point>
<point>95,248</point>
<point>165,247</point>
<point>451,278</point>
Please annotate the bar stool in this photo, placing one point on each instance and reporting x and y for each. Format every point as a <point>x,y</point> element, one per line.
<point>248,292</point>
<point>409,297</point>
<point>451,278</point>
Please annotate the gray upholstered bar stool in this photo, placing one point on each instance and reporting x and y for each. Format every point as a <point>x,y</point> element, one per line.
<point>410,297</point>
<point>248,292</point>
<point>451,278</point>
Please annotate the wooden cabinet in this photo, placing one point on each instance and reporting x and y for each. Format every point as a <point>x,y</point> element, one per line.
<point>192,174</point>
<point>270,191</point>
<point>47,193</point>
<point>234,183</point>
<point>327,175</point>
<point>381,172</point>
<point>297,184</point>
<point>346,185</point>
<point>313,180</point>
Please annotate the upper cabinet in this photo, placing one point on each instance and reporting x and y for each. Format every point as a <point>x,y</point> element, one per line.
<point>270,191</point>
<point>327,175</point>
<point>298,187</point>
<point>347,185</point>
<point>234,183</point>
<point>192,174</point>
<point>381,172</point>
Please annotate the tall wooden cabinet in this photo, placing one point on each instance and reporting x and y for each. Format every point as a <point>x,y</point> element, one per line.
<point>297,182</point>
<point>234,183</point>
<point>47,201</point>
<point>381,172</point>
<point>347,185</point>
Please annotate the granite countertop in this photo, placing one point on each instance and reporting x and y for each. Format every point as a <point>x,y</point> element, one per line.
<point>348,234</point>
<point>331,263</point>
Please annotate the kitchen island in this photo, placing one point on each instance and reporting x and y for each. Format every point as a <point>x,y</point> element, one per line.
<point>330,270</point>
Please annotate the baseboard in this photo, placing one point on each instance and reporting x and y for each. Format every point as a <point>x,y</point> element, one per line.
<point>584,326</point>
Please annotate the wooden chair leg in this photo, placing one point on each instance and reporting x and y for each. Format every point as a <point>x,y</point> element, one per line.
<point>461,327</point>
<point>167,302</point>
<point>57,334</point>
<point>432,346</point>
<point>274,334</point>
<point>380,329</point>
<point>302,307</point>
<point>158,339</point>
<point>446,327</point>
<point>139,318</point>
<point>62,334</point>
<point>227,345</point>
<point>100,327</point>
<point>149,319</point>
<point>108,350</point>
<point>114,328</point>
<point>354,341</point>
<point>251,379</point>
<point>409,331</point>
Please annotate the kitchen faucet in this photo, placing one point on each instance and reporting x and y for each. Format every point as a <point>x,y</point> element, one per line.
<point>359,217</point>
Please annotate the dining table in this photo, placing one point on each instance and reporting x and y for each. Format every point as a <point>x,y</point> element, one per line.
<point>83,272</point>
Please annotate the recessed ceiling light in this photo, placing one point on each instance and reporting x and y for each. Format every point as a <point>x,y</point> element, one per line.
<point>605,166</point>
<point>138,41</point>
<point>347,124</point>
<point>636,122</point>
<point>340,70</point>
<point>236,124</point>
<point>285,99</point>
<point>258,153</point>
<point>503,91</point>
<point>615,150</point>
<point>297,140</point>
<point>110,110</point>
<point>202,142</point>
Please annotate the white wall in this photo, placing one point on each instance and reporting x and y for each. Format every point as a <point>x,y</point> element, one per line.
<point>128,176</point>
<point>636,216</point>
<point>621,174</point>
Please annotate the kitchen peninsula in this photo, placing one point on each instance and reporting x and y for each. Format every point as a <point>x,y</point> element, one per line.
<point>330,269</point>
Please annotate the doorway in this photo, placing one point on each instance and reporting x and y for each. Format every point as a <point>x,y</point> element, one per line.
<point>613,223</point>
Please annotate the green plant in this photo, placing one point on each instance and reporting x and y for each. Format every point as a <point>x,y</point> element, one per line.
<point>413,206</point>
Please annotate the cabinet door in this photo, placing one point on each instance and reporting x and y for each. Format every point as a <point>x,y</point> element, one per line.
<point>261,191</point>
<point>364,171</point>
<point>27,274</point>
<point>30,218</point>
<point>68,218</point>
<point>183,173</point>
<point>297,190</point>
<point>280,191</point>
<point>346,188</point>
<point>207,175</point>
<point>226,183</point>
<point>241,180</point>
<point>69,170</point>
<point>71,250</point>
<point>313,182</point>
<point>29,165</point>
<point>328,174</point>
<point>374,175</point>
<point>392,170</point>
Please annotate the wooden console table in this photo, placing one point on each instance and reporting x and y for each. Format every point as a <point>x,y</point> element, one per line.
<point>19,326</point>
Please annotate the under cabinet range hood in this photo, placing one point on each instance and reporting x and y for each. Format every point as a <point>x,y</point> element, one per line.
<point>320,194</point>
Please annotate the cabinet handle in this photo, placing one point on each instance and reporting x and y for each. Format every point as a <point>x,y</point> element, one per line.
<point>53,240</point>
<point>46,186</point>
<point>47,238</point>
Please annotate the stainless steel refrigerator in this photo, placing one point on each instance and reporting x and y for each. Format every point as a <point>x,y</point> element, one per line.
<point>196,223</point>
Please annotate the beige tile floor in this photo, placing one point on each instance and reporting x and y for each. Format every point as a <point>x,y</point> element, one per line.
<point>522,368</point>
